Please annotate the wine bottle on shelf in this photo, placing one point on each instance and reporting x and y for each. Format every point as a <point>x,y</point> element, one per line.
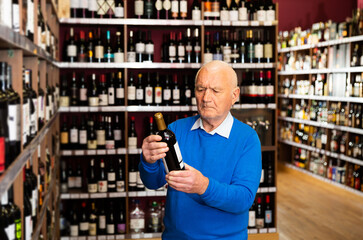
<point>167,92</point>
<point>6,221</point>
<point>149,96</point>
<point>91,178</point>
<point>215,9</point>
<point>172,48</point>
<point>92,8</point>
<point>101,133</point>
<point>139,184</point>
<point>90,48</point>
<point>258,48</point>
<point>121,223</point>
<point>261,88</point>
<point>131,92</point>
<point>28,224</point>
<point>78,182</point>
<point>82,51</point>
<point>83,221</point>
<point>71,47</point>
<point>149,48</point>
<point>140,97</point>
<point>102,178</point>
<point>159,8</point>
<point>73,134</point>
<point>64,94</point>
<point>74,223</point>
<point>261,12</point>
<point>132,139</point>
<point>270,89</point>
<point>111,8</point>
<point>108,51</point>
<point>252,216</point>
<point>208,55</point>
<point>176,90</point>
<point>16,16</point>
<point>120,181</point>
<point>110,139</point>
<point>111,89</point>
<point>148,9</point>
<point>224,12</point>
<point>173,159</point>
<point>131,50</point>
<point>187,92</point>
<point>91,136</point>
<point>227,47</point>
<point>268,48</point>
<point>197,46</point>
<point>74,91</point>
<point>132,185</point>
<point>183,7</point>
<point>260,218</point>
<point>63,178</point>
<point>32,99</point>
<point>15,211</point>
<point>117,133</point>
<point>111,177</point>
<point>181,48</point>
<point>174,9</point>
<point>158,91</point>
<point>119,52</point>
<point>217,50</point>
<point>74,9</point>
<point>140,47</point>
<point>99,49</point>
<point>139,8</point>
<point>102,91</point>
<point>196,12</point>
<point>270,10</point>
<point>64,134</point>
<point>235,48</point>
<point>242,11</point>
<point>110,220</point>
<point>137,218</point>
<point>151,130</point>
<point>268,212</point>
<point>120,90</point>
<point>207,4</point>
<point>41,106</point>
<point>154,217</point>
<point>30,20</point>
<point>250,46</point>
<point>92,220</point>
<point>71,177</point>
<point>189,47</point>
<point>93,93</point>
<point>167,8</point>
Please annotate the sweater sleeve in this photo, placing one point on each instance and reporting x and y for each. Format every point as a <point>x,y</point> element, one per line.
<point>152,175</point>
<point>238,196</point>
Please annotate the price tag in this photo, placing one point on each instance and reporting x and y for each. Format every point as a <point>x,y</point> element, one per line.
<point>74,238</point>
<point>101,152</point>
<point>110,237</point>
<point>135,236</point>
<point>93,109</point>
<point>84,195</point>
<point>194,108</point>
<point>226,23</point>
<point>74,109</point>
<point>141,194</point>
<point>252,231</point>
<point>111,151</point>
<point>74,196</point>
<point>120,236</point>
<point>261,105</point>
<point>65,196</point>
<point>268,23</point>
<point>184,108</point>
<point>264,190</point>
<point>216,23</point>
<point>195,65</point>
<point>255,23</point>
<point>102,237</point>
<point>160,193</point>
<point>268,65</point>
<point>83,109</point>
<point>167,109</point>
<point>92,238</point>
<point>116,194</point>
<point>208,22</point>
<point>64,238</point>
<point>91,152</point>
<point>121,151</point>
<point>132,151</point>
<point>78,152</point>
<point>272,230</point>
<point>148,235</point>
<point>67,153</point>
<point>263,230</point>
<point>98,195</point>
<point>132,194</point>
<point>82,238</point>
<point>198,22</point>
<point>272,189</point>
<point>150,193</point>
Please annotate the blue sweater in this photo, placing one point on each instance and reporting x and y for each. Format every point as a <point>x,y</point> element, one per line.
<point>233,167</point>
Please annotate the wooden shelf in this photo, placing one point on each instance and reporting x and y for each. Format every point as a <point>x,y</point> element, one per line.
<point>322,71</point>
<point>322,98</point>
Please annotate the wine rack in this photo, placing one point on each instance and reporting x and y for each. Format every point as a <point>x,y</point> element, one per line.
<point>342,160</point>
<point>129,69</point>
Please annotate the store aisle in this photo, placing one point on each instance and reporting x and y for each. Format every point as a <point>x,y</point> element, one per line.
<point>308,208</point>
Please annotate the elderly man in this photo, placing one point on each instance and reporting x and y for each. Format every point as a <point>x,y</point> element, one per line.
<point>210,199</point>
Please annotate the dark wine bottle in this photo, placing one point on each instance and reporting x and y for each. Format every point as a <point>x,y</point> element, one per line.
<point>120,90</point>
<point>110,220</point>
<point>120,181</point>
<point>111,177</point>
<point>173,159</point>
<point>110,139</point>
<point>71,47</point>
<point>91,178</point>
<point>83,221</point>
<point>102,178</point>
<point>117,133</point>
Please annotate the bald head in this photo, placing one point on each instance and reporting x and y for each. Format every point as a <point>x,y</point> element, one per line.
<point>223,68</point>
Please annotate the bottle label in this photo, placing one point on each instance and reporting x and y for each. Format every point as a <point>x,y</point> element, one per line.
<point>260,222</point>
<point>258,50</point>
<point>71,50</point>
<point>110,144</point>
<point>215,8</point>
<point>227,54</point>
<point>117,135</point>
<point>93,101</point>
<point>92,187</point>
<point>139,182</point>
<point>111,95</point>
<point>101,137</point>
<point>64,101</point>
<point>16,23</point>
<point>207,9</point>
<point>131,56</point>
<point>175,8</point>
<point>110,229</point>
<point>268,216</point>
<point>120,186</point>
<point>111,176</point>
<point>167,94</point>
<point>139,94</point>
<point>183,8</point>
<point>102,222</point>
<point>158,97</point>
<point>92,229</point>
<point>242,14</point>
<point>270,15</point>
<point>78,182</point>
<point>233,15</point>
<point>30,16</point>
<point>261,15</point>
<point>252,90</point>
<point>181,51</point>
<point>208,57</point>
<point>103,99</point>
<point>119,11</point>
<point>159,5</point>
<point>83,226</point>
<point>268,50</point>
<point>137,224</point>
<point>224,15</point>
<point>74,230</point>
<point>131,92</point>
<point>218,56</point>
<point>149,48</point>
<point>176,96</point>
<point>102,186</point>
<point>250,51</point>
<point>99,52</point>
<point>196,15</point>
<point>120,93</point>
<point>74,4</point>
<point>83,137</point>
<point>121,228</point>
<point>132,179</point>
<point>102,7</point>
<point>28,228</point>
<point>74,135</point>
<point>64,137</point>
<point>179,155</point>
<point>14,122</point>
<point>252,219</point>
<point>197,49</point>
<point>83,94</point>
<point>148,95</point>
<point>172,52</point>
<point>140,47</point>
<point>40,107</point>
<point>139,7</point>
<point>188,93</point>
<point>261,91</point>
<point>132,142</point>
<point>270,90</point>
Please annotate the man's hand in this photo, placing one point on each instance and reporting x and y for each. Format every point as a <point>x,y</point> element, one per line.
<point>189,180</point>
<point>153,149</point>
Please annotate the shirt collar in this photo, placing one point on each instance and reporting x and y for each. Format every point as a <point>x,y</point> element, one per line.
<point>224,129</point>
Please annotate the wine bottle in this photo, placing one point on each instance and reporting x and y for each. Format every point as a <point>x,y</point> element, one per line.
<point>111,89</point>
<point>71,177</point>
<point>64,94</point>
<point>102,91</point>
<point>183,7</point>
<point>196,13</point>
<point>215,9</point>
<point>102,178</point>
<point>235,48</point>
<point>16,18</point>
<point>167,92</point>
<point>242,47</point>
<point>110,139</point>
<point>149,49</point>
<point>208,55</point>
<point>252,216</point>
<point>268,212</point>
<point>41,105</point>
<point>233,11</point>
<point>74,223</point>
<point>260,218</point>
<point>93,93</point>
<point>110,220</point>
<point>207,9</point>
<point>148,9</point>
<point>111,177</point>
<point>137,218</point>
<point>261,88</point>
<point>30,20</point>
<point>6,219</point>
<point>121,223</point>
<point>242,11</point>
<point>82,51</point>
<point>83,221</point>
<point>261,12</point>
<point>258,48</point>
<point>90,48</point>
<point>92,8</point>
<point>78,180</point>
<point>117,133</point>
<point>181,48</point>
<point>224,13</point>
<point>120,90</point>
<point>227,47</point>
<point>176,90</point>
<point>217,50</point>
<point>270,89</point>
<point>172,48</point>
<point>120,182</point>
<point>132,138</point>
<point>174,9</point>
<point>140,98</point>
<point>101,133</point>
<point>91,178</point>
<point>149,96</point>
<point>99,49</point>
<point>139,8</point>
<point>91,136</point>
<point>268,48</point>
<point>92,220</point>
<point>74,91</point>
<point>131,51</point>
<point>64,134</point>
<point>189,47</point>
<point>71,47</point>
<point>28,224</point>
<point>109,53</point>
<point>158,91</point>
<point>131,92</point>
<point>73,134</point>
<point>118,53</point>
<point>63,178</point>
<point>187,92</point>
<point>173,159</point>
<point>250,46</point>
<point>140,47</point>
<point>196,46</point>
<point>270,10</point>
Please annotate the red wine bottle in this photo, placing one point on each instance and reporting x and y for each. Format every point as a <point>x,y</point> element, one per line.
<point>173,159</point>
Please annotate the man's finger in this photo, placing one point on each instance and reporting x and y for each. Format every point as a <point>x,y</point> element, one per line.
<point>153,138</point>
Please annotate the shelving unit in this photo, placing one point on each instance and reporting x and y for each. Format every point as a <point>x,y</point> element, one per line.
<point>287,147</point>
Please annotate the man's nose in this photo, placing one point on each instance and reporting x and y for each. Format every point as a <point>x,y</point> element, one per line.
<point>207,95</point>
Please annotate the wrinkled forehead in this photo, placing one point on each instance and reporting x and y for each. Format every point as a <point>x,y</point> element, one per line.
<point>214,78</point>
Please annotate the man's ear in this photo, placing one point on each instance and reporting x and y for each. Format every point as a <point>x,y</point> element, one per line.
<point>235,94</point>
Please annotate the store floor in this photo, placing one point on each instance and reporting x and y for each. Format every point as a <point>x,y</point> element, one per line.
<point>308,208</point>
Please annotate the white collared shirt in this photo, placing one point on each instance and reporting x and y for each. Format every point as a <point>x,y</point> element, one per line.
<point>224,129</point>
